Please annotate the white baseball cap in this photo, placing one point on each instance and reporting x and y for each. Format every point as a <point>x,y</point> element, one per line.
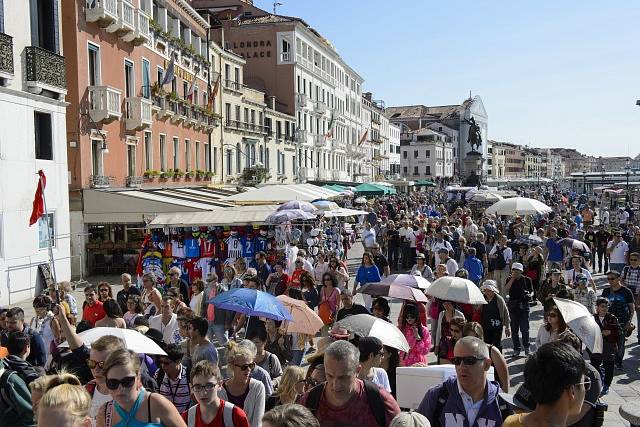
<point>517,266</point>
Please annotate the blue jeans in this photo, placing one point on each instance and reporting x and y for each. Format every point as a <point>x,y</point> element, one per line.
<point>296,357</point>
<point>616,266</point>
<point>219,332</point>
<point>519,323</point>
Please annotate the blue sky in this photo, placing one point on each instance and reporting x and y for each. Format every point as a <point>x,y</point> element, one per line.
<point>551,74</point>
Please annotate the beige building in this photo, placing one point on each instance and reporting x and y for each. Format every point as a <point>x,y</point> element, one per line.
<point>535,163</point>
<point>507,160</point>
<point>426,154</point>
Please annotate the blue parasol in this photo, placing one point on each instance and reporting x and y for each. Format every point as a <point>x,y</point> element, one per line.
<point>252,303</point>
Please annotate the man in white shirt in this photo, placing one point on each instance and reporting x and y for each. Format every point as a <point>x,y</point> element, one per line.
<point>617,250</point>
<point>306,264</point>
<point>604,217</point>
<point>571,276</point>
<point>623,217</point>
<point>440,243</point>
<point>452,265</point>
<point>165,322</point>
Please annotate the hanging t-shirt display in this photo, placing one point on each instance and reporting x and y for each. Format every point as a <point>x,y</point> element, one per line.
<point>234,248</point>
<point>191,248</point>
<point>177,249</point>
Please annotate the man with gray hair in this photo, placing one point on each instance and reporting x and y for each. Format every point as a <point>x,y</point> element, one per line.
<point>469,398</point>
<point>344,400</point>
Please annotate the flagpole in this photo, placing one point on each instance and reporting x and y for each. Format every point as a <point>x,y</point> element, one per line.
<point>51,259</point>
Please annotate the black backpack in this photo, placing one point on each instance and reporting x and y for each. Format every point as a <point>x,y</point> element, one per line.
<point>376,403</point>
<point>443,395</point>
<point>499,263</point>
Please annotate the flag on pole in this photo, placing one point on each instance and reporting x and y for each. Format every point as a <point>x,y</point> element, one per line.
<point>364,137</point>
<point>329,133</point>
<point>191,90</point>
<point>168,75</point>
<point>213,93</point>
<point>38,200</point>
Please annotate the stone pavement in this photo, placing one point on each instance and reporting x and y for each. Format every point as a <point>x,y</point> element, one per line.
<point>625,387</point>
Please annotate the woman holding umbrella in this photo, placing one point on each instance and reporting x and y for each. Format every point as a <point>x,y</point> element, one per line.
<point>417,336</point>
<point>553,327</point>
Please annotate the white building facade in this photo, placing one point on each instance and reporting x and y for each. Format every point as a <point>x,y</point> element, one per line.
<point>426,154</point>
<point>32,107</point>
<point>394,151</point>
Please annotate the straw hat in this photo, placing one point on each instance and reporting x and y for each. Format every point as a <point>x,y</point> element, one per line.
<point>321,345</point>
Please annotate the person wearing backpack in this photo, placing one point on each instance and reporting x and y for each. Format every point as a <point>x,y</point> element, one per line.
<point>210,410</point>
<point>501,255</point>
<point>344,400</point>
<point>469,398</point>
<point>15,400</point>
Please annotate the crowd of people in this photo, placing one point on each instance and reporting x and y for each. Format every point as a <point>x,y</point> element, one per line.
<point>222,368</point>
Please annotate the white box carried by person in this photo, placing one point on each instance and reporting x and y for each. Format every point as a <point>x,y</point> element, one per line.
<point>412,383</point>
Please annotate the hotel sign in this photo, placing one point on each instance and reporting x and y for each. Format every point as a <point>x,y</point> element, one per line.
<point>180,72</point>
<point>258,48</point>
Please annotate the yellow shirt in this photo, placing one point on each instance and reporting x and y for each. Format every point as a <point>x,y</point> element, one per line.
<point>513,421</point>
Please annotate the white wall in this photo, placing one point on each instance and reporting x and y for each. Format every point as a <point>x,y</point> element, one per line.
<point>18,183</point>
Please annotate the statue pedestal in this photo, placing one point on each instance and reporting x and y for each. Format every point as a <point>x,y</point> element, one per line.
<point>473,167</point>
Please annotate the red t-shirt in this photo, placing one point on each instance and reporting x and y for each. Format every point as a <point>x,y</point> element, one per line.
<point>356,412</point>
<point>295,278</point>
<point>238,416</point>
<point>93,313</point>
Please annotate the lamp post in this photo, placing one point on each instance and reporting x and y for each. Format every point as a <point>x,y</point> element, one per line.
<point>627,169</point>
<point>584,180</point>
<point>602,170</point>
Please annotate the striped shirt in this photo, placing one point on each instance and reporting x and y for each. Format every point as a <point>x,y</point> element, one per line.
<point>177,391</point>
<point>631,278</point>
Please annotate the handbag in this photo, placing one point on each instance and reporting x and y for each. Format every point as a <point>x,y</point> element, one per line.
<point>628,329</point>
<point>324,311</point>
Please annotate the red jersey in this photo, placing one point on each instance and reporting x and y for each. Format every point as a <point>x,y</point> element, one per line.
<point>238,416</point>
<point>207,248</point>
<point>93,313</point>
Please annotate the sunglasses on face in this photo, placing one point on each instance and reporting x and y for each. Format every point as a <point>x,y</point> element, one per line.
<point>311,382</point>
<point>165,362</point>
<point>552,315</point>
<point>92,364</point>
<point>249,366</point>
<point>208,387</point>
<point>126,382</point>
<point>467,360</point>
<point>611,279</point>
<point>455,331</point>
<point>586,383</point>
<point>104,290</point>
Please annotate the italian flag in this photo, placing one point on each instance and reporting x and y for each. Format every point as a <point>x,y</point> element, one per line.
<point>364,137</point>
<point>329,133</point>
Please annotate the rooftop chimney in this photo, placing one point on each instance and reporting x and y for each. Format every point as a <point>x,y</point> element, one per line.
<point>271,102</point>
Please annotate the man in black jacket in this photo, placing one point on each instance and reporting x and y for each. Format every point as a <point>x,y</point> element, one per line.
<point>348,307</point>
<point>18,347</point>
<point>15,323</point>
<point>520,291</point>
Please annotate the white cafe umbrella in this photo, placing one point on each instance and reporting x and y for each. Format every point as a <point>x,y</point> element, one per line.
<point>367,325</point>
<point>133,339</point>
<point>456,289</point>
<point>518,206</point>
<point>581,322</point>
<point>410,280</point>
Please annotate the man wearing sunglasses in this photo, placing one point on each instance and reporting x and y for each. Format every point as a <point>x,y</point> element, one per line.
<point>469,398</point>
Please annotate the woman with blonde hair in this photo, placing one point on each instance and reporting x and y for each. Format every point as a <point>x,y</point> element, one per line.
<point>290,415</point>
<point>37,388</point>
<point>65,403</point>
<point>132,405</point>
<point>242,390</point>
<point>151,297</point>
<point>290,387</point>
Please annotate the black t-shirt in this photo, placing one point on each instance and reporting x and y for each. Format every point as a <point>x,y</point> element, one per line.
<point>619,303</point>
<point>122,296</point>
<point>355,309</point>
<point>393,238</point>
<point>481,250</point>
<point>519,289</point>
<point>590,238</point>
<point>381,262</point>
<point>602,238</point>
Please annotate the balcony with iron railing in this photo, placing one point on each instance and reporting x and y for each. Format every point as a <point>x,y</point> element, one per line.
<point>45,71</point>
<point>320,141</point>
<point>285,57</point>
<point>301,136</point>
<point>137,113</point>
<point>302,100</point>
<point>6,59</point>
<point>234,124</point>
<point>103,12</point>
<point>104,104</point>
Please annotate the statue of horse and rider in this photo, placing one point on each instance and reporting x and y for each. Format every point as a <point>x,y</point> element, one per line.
<point>475,136</point>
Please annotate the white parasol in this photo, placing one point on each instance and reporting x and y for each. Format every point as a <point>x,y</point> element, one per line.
<point>456,289</point>
<point>367,325</point>
<point>133,339</point>
<point>581,322</point>
<point>410,280</point>
<point>518,206</point>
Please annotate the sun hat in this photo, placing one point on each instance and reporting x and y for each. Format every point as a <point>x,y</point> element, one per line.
<point>489,285</point>
<point>321,347</point>
<point>517,266</point>
<point>410,419</point>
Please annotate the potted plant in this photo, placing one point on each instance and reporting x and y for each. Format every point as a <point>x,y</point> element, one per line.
<point>177,173</point>
<point>166,174</point>
<point>200,174</point>
<point>208,174</point>
<point>151,174</point>
<point>190,174</point>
